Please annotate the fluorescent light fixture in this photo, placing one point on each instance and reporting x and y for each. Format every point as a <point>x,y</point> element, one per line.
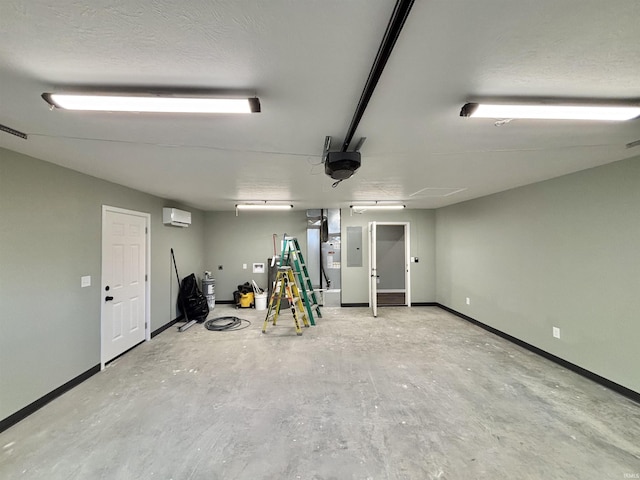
<point>151,103</point>
<point>551,111</point>
<point>262,206</point>
<point>378,206</point>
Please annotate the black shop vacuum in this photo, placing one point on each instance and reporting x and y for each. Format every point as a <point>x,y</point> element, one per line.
<point>191,301</point>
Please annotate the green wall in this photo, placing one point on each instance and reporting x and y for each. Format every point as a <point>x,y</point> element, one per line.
<point>355,280</point>
<point>563,253</point>
<point>560,253</point>
<point>50,236</point>
<point>232,241</point>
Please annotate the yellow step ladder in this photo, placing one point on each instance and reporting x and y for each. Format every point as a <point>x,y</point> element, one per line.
<point>285,287</point>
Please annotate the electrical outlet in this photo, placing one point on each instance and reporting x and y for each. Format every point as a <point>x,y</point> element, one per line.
<point>468,301</point>
<point>244,266</point>
<point>556,332</point>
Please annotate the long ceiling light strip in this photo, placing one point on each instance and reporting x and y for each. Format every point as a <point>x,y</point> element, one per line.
<point>378,207</point>
<point>262,206</point>
<point>551,111</point>
<point>151,103</point>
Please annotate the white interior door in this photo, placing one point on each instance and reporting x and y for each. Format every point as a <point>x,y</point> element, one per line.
<point>373,291</point>
<point>123,295</point>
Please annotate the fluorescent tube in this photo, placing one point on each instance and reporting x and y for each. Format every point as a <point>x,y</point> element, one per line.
<point>151,103</point>
<point>377,207</point>
<point>262,206</point>
<point>551,112</point>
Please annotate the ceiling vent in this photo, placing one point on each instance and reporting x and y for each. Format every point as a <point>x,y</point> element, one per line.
<point>17,133</point>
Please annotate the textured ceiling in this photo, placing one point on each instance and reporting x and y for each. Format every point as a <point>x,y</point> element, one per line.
<point>307,61</point>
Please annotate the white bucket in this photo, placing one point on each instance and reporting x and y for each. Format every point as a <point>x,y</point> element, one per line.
<point>260,300</point>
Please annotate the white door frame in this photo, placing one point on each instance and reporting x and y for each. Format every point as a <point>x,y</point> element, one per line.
<point>407,261</point>
<point>147,272</point>
<point>373,268</point>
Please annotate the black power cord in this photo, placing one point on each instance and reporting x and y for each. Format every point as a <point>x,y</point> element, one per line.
<point>230,323</point>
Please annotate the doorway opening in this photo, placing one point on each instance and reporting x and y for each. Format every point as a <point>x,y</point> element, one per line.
<point>389,264</point>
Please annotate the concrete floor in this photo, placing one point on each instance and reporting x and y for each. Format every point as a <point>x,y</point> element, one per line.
<point>414,394</point>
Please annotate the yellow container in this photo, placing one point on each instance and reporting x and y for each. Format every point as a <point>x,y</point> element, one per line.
<point>246,300</point>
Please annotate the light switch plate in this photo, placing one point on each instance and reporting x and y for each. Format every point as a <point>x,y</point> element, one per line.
<point>85,281</point>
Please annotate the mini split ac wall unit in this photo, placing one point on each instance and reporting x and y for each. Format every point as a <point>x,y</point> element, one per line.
<point>175,217</point>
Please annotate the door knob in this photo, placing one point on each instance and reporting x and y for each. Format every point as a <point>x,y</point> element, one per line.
<point>108,299</point>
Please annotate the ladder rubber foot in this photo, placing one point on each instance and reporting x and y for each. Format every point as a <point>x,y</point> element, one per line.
<point>299,334</point>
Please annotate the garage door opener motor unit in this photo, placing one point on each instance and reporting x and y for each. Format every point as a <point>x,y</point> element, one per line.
<point>341,165</point>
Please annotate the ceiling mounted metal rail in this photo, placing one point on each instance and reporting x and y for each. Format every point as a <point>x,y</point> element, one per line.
<point>398,17</point>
